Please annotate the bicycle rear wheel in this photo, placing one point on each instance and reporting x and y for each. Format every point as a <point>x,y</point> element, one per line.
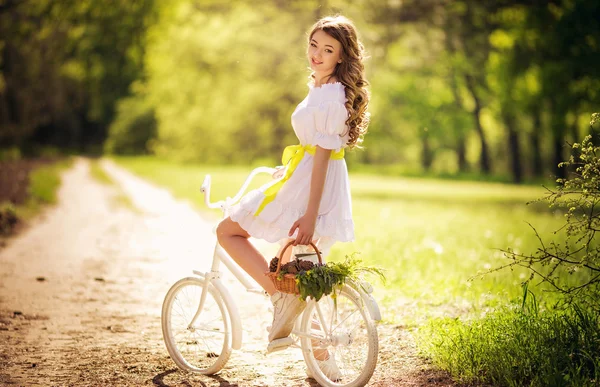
<point>204,347</point>
<point>344,328</point>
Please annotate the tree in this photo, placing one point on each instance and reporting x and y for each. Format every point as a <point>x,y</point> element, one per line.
<point>64,65</point>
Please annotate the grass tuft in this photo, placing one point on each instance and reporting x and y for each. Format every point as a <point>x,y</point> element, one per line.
<point>121,198</point>
<point>99,174</point>
<point>514,347</point>
<point>41,189</point>
<point>45,181</point>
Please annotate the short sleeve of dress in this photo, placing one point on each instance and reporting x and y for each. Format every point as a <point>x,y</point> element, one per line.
<point>330,125</point>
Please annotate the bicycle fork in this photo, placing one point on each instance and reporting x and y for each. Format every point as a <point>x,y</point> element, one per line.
<point>213,278</point>
<point>208,279</point>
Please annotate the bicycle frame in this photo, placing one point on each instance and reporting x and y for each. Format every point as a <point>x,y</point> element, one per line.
<point>212,278</point>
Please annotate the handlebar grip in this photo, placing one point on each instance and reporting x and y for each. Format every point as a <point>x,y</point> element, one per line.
<point>205,184</point>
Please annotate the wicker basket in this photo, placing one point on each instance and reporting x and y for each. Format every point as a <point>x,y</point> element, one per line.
<point>287,283</point>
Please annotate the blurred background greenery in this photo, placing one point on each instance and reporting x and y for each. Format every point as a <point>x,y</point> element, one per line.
<point>485,89</point>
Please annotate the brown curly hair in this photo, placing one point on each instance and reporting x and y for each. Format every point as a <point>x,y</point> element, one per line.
<point>351,73</point>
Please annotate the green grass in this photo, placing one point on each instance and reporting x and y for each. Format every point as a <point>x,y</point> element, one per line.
<point>44,183</point>
<point>98,173</point>
<point>513,346</point>
<point>406,171</point>
<point>120,198</point>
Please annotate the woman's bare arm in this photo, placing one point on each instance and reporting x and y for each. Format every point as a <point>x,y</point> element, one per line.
<point>306,223</point>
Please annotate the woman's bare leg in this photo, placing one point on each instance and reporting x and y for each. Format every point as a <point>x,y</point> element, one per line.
<point>234,239</point>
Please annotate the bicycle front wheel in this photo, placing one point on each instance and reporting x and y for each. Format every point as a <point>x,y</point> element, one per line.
<point>205,346</point>
<point>342,331</point>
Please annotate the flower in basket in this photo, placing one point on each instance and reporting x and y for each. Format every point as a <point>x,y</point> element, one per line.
<point>320,280</point>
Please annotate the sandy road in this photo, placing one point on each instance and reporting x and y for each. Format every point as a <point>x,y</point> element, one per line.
<point>81,291</point>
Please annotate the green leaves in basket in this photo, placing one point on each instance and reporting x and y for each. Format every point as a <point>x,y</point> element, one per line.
<point>323,280</point>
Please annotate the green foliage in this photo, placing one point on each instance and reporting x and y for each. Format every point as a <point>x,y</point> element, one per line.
<point>516,346</point>
<point>318,281</point>
<point>133,128</point>
<point>324,279</point>
<point>64,65</point>
<point>224,84</point>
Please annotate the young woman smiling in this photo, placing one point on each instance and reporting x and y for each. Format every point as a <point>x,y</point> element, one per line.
<point>309,201</point>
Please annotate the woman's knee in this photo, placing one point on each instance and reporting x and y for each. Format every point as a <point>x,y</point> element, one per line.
<point>228,228</point>
<point>223,229</point>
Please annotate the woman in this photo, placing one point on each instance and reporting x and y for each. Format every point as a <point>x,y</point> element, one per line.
<point>310,200</point>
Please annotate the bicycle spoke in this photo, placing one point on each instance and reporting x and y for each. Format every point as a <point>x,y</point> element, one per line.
<point>341,322</point>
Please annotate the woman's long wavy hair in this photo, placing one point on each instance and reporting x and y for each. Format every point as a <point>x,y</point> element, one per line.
<point>351,73</point>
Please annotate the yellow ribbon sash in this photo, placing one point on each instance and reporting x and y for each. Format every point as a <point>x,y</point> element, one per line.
<point>292,155</point>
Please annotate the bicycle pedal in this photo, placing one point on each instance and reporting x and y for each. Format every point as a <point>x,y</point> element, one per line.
<point>279,344</point>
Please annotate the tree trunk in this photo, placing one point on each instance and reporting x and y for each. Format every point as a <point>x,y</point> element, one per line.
<point>557,158</point>
<point>461,154</point>
<point>514,152</point>
<point>426,153</point>
<point>558,139</point>
<point>461,148</point>
<point>484,158</point>
<point>574,130</point>
<point>534,139</point>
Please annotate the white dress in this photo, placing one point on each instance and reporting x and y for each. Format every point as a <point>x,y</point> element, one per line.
<point>318,120</point>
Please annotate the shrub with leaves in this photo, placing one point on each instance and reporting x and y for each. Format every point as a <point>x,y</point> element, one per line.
<point>572,267</point>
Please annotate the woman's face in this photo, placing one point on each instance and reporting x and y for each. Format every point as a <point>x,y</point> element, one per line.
<point>324,52</point>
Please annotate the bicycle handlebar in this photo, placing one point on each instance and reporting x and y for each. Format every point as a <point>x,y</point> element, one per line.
<point>207,181</point>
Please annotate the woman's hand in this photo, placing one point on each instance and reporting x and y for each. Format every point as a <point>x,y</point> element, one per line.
<point>306,229</point>
<point>279,172</point>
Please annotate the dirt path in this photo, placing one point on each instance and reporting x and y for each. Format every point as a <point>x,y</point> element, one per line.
<point>81,291</point>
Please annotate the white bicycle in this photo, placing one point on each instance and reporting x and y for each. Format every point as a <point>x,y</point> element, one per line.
<point>201,324</point>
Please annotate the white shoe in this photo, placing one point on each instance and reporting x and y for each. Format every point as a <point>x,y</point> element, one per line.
<point>286,308</point>
<point>280,344</point>
<point>329,368</point>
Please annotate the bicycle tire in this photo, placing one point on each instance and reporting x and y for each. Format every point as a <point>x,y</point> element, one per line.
<point>353,342</point>
<point>206,347</point>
